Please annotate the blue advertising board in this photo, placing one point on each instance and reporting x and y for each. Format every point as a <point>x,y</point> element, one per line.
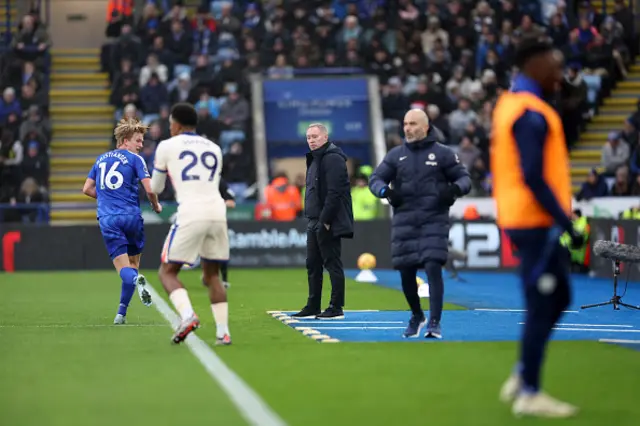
<point>341,104</point>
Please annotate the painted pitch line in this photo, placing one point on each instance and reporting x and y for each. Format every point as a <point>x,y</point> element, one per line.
<point>628,342</point>
<point>348,322</point>
<point>346,310</point>
<point>78,326</point>
<point>515,310</point>
<point>590,325</point>
<point>359,328</point>
<point>246,400</point>
<point>593,330</point>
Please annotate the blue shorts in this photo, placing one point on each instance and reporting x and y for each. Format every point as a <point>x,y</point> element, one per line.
<point>122,234</point>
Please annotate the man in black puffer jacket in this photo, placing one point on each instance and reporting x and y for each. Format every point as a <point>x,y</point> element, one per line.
<point>328,208</point>
<point>421,179</point>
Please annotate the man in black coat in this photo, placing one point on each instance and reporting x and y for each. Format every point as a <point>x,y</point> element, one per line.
<point>327,207</point>
<point>421,179</point>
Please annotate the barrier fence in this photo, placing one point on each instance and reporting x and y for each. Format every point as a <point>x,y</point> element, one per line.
<point>30,247</point>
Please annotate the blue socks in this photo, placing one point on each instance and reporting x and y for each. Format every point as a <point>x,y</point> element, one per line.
<point>128,276</point>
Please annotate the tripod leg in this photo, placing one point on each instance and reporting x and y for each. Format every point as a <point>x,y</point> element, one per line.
<point>610,302</point>
<point>626,305</point>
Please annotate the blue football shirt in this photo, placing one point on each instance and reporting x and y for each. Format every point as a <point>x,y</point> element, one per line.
<point>117,174</point>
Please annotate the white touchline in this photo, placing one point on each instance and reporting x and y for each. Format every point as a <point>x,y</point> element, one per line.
<point>250,405</point>
<point>597,330</point>
<point>515,310</point>
<point>631,342</point>
<point>590,325</point>
<point>349,322</point>
<point>77,325</point>
<point>358,328</point>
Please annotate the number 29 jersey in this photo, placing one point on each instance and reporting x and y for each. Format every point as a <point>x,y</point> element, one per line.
<point>117,175</point>
<point>194,165</point>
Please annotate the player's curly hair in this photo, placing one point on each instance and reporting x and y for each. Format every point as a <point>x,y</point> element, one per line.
<point>127,127</point>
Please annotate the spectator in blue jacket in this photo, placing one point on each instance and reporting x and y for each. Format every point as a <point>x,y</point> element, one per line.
<point>9,104</point>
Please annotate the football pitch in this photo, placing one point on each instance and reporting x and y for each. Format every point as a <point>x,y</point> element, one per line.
<point>62,362</point>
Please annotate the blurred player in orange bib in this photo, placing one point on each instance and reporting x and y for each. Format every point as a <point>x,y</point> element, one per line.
<point>532,190</point>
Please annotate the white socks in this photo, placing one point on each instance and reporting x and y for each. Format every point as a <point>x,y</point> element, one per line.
<point>221,316</point>
<point>180,300</point>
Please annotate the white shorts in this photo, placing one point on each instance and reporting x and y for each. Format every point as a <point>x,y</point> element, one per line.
<point>185,242</point>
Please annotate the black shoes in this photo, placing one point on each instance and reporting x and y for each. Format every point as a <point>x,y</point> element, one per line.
<point>331,313</point>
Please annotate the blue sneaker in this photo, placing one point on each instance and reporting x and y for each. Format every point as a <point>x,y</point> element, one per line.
<point>434,331</point>
<point>415,326</point>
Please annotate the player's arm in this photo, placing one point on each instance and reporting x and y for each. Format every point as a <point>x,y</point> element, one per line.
<point>337,179</point>
<point>227,195</point>
<point>159,178</point>
<point>530,132</point>
<point>456,173</point>
<point>89,188</point>
<point>145,179</point>
<point>384,174</point>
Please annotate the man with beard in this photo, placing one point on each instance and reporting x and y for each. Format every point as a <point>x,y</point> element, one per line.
<point>421,179</point>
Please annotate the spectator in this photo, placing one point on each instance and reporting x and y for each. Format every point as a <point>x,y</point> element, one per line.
<point>468,152</point>
<point>208,126</point>
<point>37,125</point>
<point>460,118</point>
<point>594,187</point>
<point>235,112</point>
<point>153,67</point>
<point>152,96</point>
<point>31,42</point>
<point>621,186</point>
<point>9,104</point>
<point>35,163</point>
<point>30,199</point>
<point>614,153</point>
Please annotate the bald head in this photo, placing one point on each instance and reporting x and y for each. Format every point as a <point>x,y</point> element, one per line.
<point>416,125</point>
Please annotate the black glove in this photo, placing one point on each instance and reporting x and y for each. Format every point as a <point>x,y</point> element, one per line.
<point>450,194</point>
<point>393,197</point>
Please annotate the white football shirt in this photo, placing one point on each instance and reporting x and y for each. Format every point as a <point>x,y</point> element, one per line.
<point>194,165</point>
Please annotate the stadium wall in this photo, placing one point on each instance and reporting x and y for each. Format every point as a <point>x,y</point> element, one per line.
<point>278,245</point>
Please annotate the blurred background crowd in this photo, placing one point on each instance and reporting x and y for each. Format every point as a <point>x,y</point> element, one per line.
<point>450,58</point>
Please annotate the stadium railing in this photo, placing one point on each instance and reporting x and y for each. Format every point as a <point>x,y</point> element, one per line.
<point>21,213</point>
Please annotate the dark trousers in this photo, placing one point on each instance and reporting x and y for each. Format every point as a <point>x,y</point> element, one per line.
<point>324,250</point>
<point>544,272</point>
<point>433,270</point>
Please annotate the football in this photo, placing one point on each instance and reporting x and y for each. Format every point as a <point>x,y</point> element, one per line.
<point>366,261</point>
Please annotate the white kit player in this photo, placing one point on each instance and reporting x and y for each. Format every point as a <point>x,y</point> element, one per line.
<point>194,165</point>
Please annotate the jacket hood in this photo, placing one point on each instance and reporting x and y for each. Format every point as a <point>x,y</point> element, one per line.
<point>335,149</point>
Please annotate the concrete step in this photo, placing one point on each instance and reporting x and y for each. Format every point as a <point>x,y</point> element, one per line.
<point>78,95</point>
<point>76,179</point>
<point>78,75</point>
<point>633,86</point>
<point>610,118</point>
<point>70,198</point>
<point>66,144</point>
<point>82,109</point>
<point>587,155</point>
<point>61,53</point>
<point>64,127</point>
<point>594,135</point>
<point>605,126</point>
<point>80,163</point>
<point>69,217</point>
<point>626,101</point>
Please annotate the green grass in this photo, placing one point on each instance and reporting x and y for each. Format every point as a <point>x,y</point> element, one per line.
<point>83,375</point>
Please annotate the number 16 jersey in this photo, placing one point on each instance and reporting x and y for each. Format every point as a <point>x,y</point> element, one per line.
<point>194,165</point>
<point>117,175</point>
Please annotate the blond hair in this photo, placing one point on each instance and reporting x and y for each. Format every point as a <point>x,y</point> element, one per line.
<point>127,127</point>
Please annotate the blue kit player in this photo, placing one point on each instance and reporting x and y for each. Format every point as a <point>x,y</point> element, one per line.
<point>113,181</point>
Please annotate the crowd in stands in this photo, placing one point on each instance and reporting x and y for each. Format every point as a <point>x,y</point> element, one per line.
<point>25,129</point>
<point>165,57</point>
<point>455,62</point>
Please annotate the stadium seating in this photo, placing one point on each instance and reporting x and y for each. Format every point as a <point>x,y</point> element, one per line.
<point>82,127</point>
<point>25,130</point>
